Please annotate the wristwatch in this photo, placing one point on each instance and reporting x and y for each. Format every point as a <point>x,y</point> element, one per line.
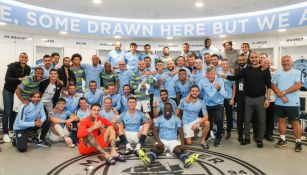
<point>283,92</point>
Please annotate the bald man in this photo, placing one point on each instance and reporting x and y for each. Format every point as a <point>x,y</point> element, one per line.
<point>257,84</point>
<point>286,85</point>
<point>116,55</point>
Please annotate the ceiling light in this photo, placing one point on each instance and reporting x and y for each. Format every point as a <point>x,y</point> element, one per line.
<point>169,37</point>
<point>2,23</point>
<point>63,32</point>
<point>97,1</point>
<point>222,36</point>
<point>199,4</point>
<point>282,30</point>
<point>117,36</point>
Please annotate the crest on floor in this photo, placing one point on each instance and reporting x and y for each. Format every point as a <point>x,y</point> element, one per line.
<point>209,163</point>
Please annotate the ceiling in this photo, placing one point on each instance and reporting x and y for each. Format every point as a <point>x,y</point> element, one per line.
<point>160,9</point>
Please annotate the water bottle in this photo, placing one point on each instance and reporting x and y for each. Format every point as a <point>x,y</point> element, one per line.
<point>87,170</point>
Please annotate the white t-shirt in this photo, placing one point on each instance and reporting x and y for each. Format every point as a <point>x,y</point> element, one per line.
<point>49,93</point>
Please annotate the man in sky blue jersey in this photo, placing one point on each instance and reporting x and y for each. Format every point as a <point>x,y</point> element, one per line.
<point>148,52</point>
<point>169,78</point>
<point>158,106</point>
<point>230,87</point>
<point>111,114</point>
<point>181,64</point>
<point>136,124</point>
<point>124,76</point>
<point>93,95</point>
<point>29,118</point>
<point>182,85</point>
<point>116,55</point>
<point>165,132</point>
<point>92,72</point>
<point>72,99</point>
<point>115,97</point>
<point>214,94</point>
<point>191,108</point>
<point>124,98</point>
<point>132,58</point>
<point>158,74</point>
<point>286,85</point>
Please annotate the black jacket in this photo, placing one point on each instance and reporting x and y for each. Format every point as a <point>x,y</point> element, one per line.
<point>43,86</point>
<point>62,76</point>
<point>15,71</point>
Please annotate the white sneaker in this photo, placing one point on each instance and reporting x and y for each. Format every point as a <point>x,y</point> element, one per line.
<point>137,148</point>
<point>212,134</point>
<point>6,138</point>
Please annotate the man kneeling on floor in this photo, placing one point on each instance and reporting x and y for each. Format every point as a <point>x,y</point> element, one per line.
<point>30,118</point>
<point>96,133</point>
<point>165,133</point>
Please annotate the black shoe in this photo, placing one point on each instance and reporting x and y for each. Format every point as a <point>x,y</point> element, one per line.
<point>240,139</point>
<point>228,135</point>
<point>245,142</point>
<point>217,142</point>
<point>298,147</point>
<point>269,138</point>
<point>259,144</point>
<point>42,143</point>
<point>281,143</point>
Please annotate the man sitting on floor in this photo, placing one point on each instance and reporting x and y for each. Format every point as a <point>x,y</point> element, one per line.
<point>165,133</point>
<point>96,133</point>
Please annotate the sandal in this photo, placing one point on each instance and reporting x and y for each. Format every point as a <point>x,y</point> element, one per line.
<point>110,161</point>
<point>205,146</point>
<point>120,158</point>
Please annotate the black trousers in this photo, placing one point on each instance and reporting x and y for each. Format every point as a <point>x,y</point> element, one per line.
<point>240,113</point>
<point>22,136</point>
<point>269,120</point>
<point>229,116</point>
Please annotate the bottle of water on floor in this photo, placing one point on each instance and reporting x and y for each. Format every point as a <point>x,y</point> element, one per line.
<point>87,170</point>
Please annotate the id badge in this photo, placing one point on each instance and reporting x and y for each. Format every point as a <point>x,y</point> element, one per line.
<point>241,86</point>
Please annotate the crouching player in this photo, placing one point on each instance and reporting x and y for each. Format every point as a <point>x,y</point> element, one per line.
<point>165,133</point>
<point>111,114</point>
<point>136,125</point>
<point>96,133</point>
<point>30,118</point>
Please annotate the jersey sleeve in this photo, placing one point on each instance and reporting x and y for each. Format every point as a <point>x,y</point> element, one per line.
<point>143,118</point>
<point>204,110</point>
<point>178,122</point>
<point>157,122</point>
<point>181,104</point>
